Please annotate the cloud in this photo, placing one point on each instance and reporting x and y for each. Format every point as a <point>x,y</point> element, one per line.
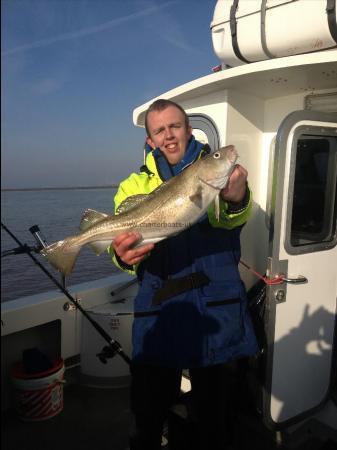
<point>179,42</point>
<point>88,30</point>
<point>173,32</point>
<point>47,86</point>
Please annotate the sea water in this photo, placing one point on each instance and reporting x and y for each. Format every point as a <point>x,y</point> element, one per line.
<point>58,214</point>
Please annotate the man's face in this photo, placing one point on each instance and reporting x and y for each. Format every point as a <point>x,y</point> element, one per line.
<point>168,132</point>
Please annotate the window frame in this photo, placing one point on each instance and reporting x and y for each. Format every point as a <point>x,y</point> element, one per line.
<point>298,133</point>
<point>205,123</point>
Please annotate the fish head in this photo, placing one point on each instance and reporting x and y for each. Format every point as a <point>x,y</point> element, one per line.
<point>216,168</point>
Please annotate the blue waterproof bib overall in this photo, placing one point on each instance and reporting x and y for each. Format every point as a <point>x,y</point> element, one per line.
<point>204,325</point>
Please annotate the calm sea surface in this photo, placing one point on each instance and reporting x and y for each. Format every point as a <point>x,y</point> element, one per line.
<point>58,214</point>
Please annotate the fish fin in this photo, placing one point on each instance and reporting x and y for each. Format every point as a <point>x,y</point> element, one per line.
<point>99,247</point>
<point>62,255</point>
<point>90,217</point>
<point>196,198</point>
<point>131,202</point>
<point>135,200</point>
<point>217,207</point>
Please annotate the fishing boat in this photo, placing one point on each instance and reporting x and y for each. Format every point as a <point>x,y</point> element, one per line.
<point>273,96</point>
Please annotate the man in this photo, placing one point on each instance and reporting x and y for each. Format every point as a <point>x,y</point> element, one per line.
<point>201,321</point>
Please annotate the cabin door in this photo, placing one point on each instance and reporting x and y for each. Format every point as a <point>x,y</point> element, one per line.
<point>301,312</point>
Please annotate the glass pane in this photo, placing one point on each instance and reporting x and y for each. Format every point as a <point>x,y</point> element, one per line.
<point>200,135</point>
<point>313,214</point>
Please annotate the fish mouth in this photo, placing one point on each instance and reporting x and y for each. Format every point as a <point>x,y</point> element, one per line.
<point>220,182</point>
<point>214,183</point>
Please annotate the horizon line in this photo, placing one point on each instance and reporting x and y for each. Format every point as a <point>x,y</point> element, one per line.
<point>60,188</point>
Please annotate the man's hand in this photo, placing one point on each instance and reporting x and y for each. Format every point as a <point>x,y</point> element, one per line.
<point>123,245</point>
<point>235,189</point>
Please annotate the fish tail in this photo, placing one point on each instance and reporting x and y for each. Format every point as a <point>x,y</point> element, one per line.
<point>62,255</point>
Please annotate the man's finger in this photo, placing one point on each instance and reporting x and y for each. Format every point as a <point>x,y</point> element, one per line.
<point>139,252</point>
<point>123,241</point>
<point>134,256</point>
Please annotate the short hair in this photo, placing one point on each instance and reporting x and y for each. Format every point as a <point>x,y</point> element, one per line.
<point>160,105</point>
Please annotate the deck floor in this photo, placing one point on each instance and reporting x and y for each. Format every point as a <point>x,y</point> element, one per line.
<point>100,419</point>
<point>92,418</point>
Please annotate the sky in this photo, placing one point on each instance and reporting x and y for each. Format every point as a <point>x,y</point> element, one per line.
<point>74,70</point>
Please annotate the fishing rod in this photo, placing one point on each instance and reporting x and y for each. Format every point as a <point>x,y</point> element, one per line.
<point>114,347</point>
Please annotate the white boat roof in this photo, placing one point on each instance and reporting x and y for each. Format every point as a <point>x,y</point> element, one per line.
<point>265,79</point>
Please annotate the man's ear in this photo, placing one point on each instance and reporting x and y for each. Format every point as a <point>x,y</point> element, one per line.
<point>150,142</point>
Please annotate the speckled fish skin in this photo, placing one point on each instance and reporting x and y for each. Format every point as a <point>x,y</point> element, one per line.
<point>171,208</point>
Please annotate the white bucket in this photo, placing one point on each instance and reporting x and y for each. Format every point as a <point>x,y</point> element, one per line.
<point>39,396</point>
<point>117,319</point>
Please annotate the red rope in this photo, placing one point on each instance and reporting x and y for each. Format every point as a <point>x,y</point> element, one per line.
<point>268,281</point>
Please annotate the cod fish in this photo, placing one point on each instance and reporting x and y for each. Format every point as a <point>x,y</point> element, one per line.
<point>172,207</point>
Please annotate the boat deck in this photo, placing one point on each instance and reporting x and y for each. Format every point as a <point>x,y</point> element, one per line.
<point>92,418</point>
<point>100,418</point>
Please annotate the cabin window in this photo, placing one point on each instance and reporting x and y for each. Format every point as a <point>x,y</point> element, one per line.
<point>312,217</point>
<point>204,130</point>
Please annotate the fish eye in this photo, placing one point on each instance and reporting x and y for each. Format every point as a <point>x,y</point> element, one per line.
<point>216,155</point>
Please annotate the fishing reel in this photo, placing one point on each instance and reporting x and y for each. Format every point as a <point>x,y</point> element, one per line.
<point>106,353</point>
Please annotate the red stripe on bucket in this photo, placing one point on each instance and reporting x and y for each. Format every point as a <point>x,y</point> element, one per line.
<point>38,398</point>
